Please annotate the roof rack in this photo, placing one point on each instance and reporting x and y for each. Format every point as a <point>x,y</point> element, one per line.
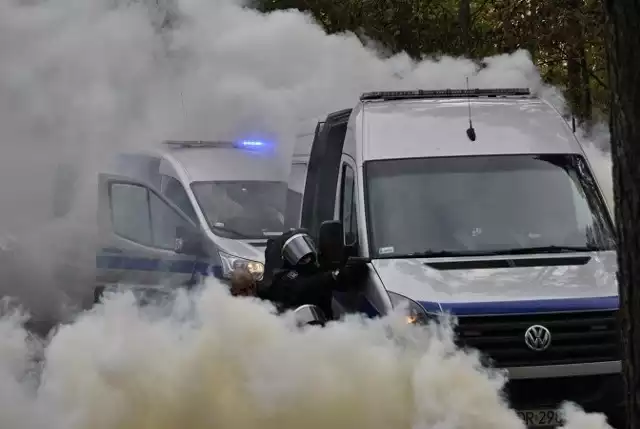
<point>444,93</point>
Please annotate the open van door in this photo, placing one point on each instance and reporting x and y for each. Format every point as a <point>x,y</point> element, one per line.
<point>146,241</point>
<point>323,170</point>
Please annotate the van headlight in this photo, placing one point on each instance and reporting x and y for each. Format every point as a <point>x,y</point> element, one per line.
<point>230,263</point>
<point>415,313</point>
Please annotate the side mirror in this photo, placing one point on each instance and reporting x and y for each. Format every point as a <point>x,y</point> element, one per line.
<point>189,242</point>
<point>331,244</point>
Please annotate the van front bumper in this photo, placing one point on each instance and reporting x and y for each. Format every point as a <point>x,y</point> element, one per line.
<point>547,387</point>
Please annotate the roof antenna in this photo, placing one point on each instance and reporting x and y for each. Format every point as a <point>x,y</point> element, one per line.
<point>471,133</point>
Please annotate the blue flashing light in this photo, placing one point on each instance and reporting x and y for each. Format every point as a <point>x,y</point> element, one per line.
<point>252,143</point>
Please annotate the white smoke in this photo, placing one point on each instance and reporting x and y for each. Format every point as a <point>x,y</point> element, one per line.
<point>211,360</point>
<point>82,80</point>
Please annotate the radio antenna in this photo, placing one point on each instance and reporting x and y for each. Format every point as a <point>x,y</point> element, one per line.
<point>471,132</point>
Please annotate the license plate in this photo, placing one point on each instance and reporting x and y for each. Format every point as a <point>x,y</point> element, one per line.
<point>540,418</point>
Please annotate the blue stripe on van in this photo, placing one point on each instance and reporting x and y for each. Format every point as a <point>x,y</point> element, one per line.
<point>503,307</point>
<point>527,307</point>
<point>118,262</point>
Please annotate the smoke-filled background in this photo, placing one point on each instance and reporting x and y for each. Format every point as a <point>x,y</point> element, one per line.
<point>81,80</point>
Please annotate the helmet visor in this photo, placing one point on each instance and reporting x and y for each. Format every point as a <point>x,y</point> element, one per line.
<point>297,247</point>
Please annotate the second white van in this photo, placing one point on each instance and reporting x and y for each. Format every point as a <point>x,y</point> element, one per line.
<point>188,210</point>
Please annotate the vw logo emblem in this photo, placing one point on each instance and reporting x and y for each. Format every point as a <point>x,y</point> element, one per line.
<point>537,338</point>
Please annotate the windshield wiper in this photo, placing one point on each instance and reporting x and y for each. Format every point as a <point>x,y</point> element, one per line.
<point>444,254</point>
<point>547,249</point>
<point>514,251</point>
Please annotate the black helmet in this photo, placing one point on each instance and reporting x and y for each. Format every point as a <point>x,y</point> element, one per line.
<point>299,249</point>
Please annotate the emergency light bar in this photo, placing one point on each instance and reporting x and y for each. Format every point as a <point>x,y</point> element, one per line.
<point>186,144</point>
<point>444,93</point>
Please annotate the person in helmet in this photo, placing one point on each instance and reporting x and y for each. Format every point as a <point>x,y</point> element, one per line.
<point>293,276</point>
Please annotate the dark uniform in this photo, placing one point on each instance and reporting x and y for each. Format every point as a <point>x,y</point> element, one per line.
<point>293,276</point>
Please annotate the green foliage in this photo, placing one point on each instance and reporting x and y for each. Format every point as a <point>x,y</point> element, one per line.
<point>565,39</point>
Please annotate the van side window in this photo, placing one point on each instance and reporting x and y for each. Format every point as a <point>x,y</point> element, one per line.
<point>140,215</point>
<point>164,223</point>
<point>348,204</point>
<point>174,191</point>
<point>130,212</point>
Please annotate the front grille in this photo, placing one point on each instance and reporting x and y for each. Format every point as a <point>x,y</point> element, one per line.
<point>576,337</point>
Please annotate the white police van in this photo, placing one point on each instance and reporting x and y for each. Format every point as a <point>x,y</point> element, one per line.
<point>168,217</point>
<point>501,223</point>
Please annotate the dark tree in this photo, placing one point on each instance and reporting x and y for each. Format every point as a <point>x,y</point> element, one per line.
<point>623,48</point>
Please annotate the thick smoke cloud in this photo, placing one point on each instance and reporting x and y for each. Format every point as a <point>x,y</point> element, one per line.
<point>210,360</point>
<point>80,81</point>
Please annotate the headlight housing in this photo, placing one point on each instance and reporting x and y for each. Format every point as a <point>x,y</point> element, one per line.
<point>415,313</point>
<point>230,263</point>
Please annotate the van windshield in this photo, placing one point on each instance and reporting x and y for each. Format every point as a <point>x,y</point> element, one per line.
<point>484,205</point>
<point>242,209</point>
